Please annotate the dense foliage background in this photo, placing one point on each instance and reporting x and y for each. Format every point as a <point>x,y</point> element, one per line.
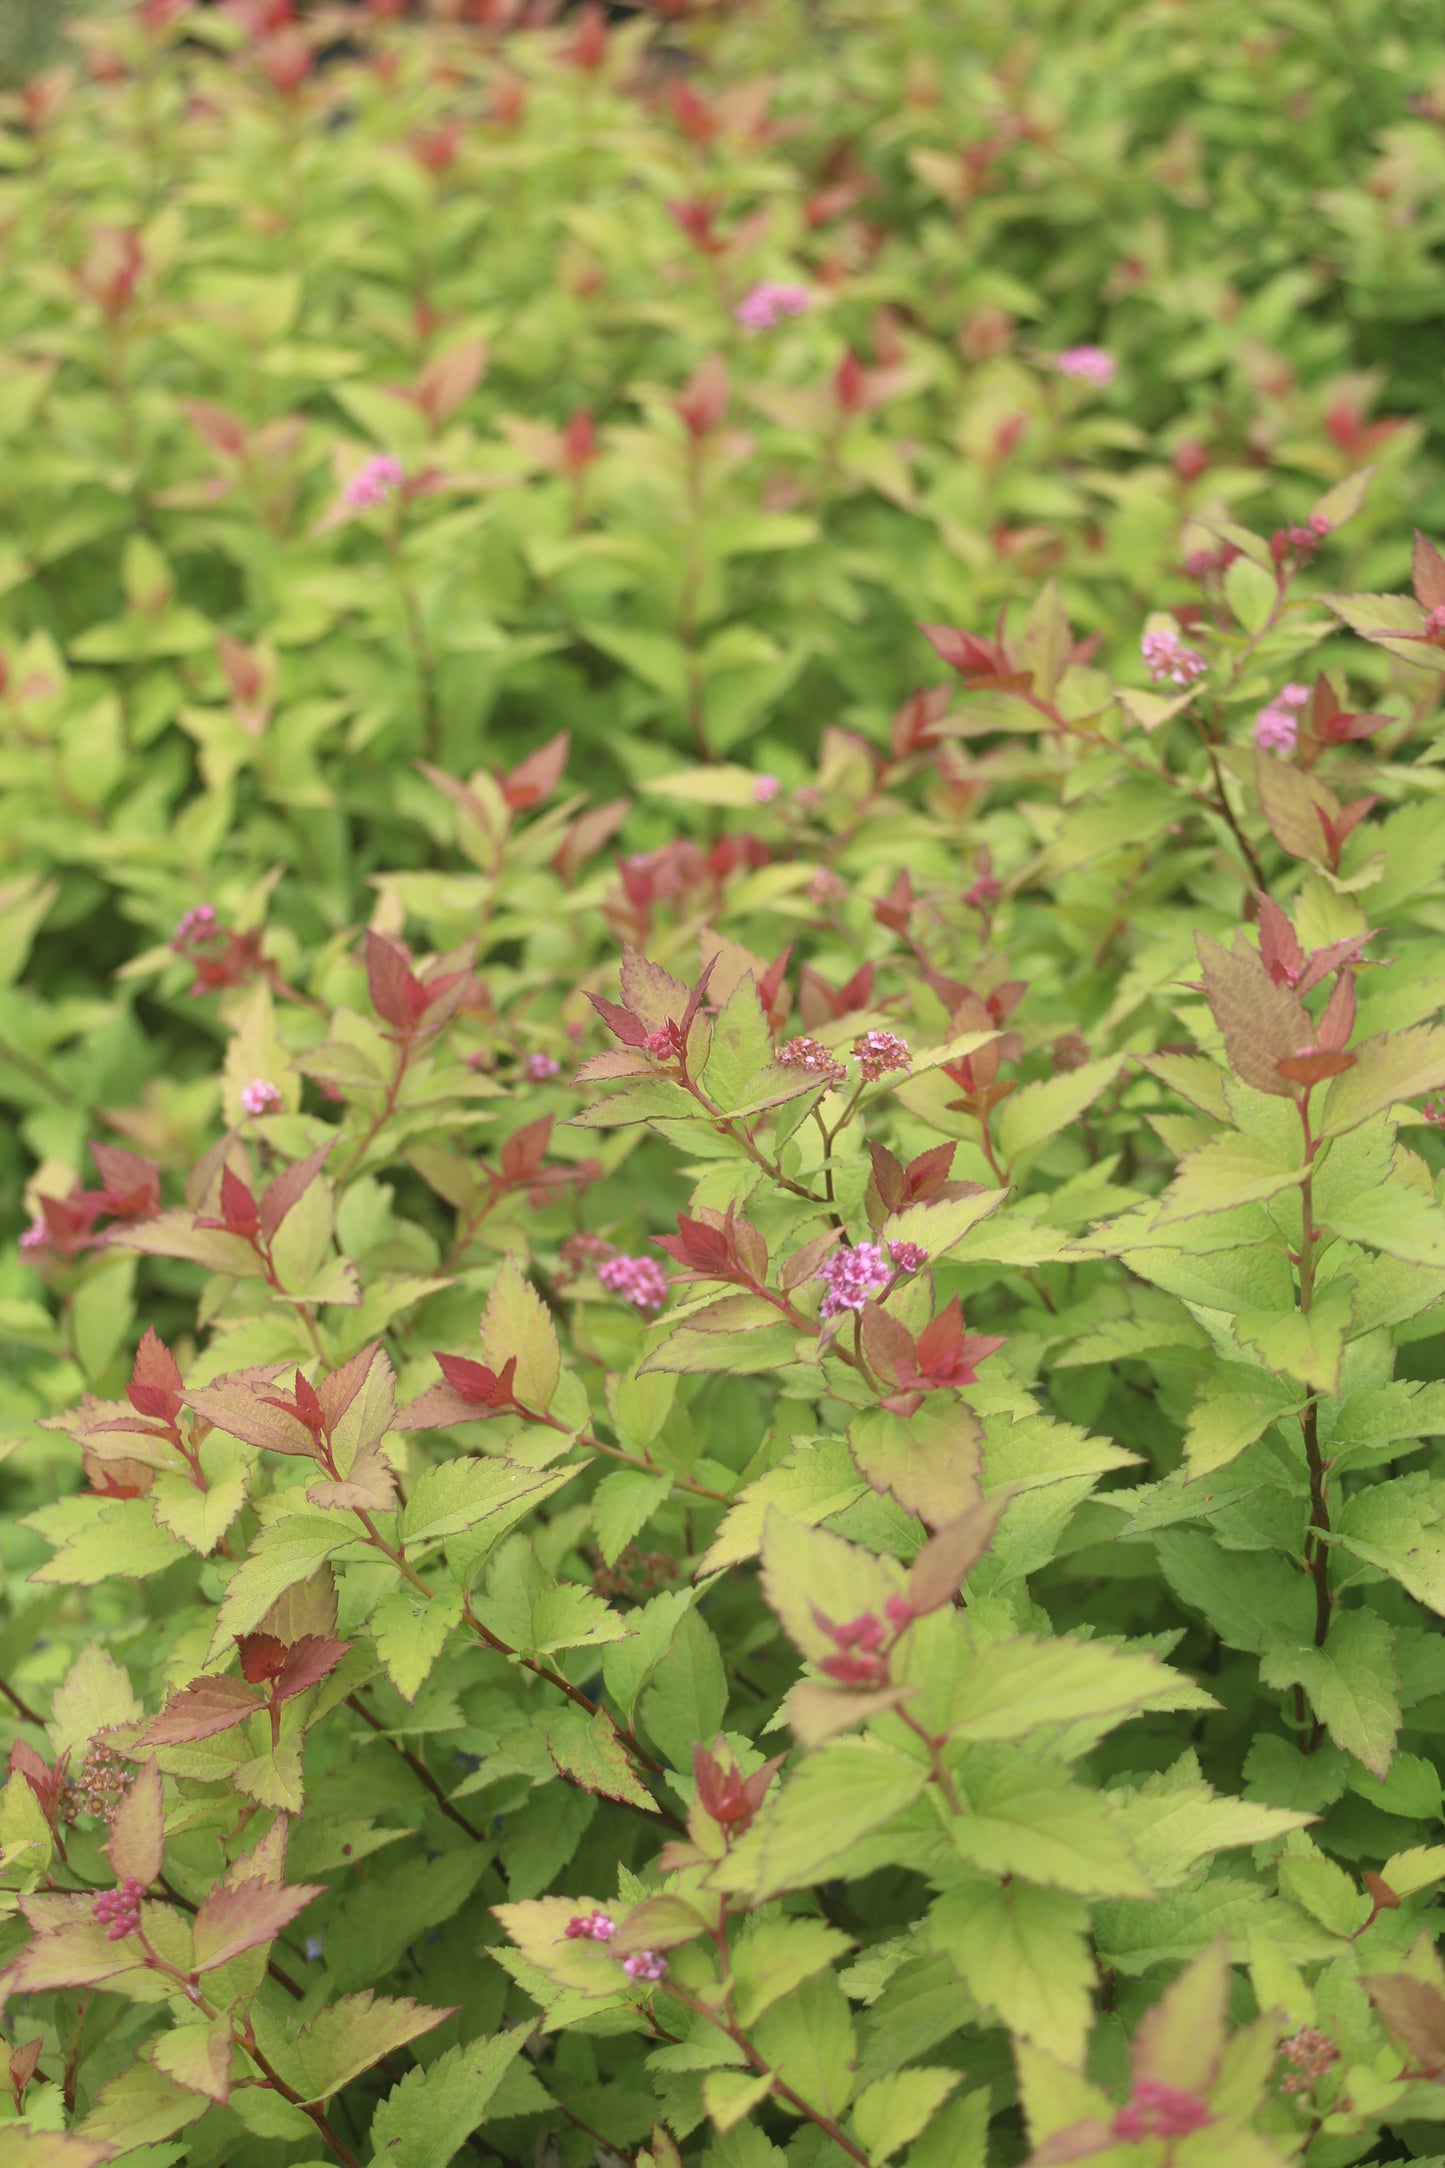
<point>720,929</point>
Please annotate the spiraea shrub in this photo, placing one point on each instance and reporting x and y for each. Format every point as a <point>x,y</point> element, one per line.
<point>724,1356</point>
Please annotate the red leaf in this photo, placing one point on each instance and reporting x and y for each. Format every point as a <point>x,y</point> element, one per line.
<point>233,1920</point>
<point>156,1383</point>
<point>475,1384</point>
<point>533,780</point>
<point>200,1710</point>
<point>131,1185</point>
<point>238,1206</point>
<point>1428,569</point>
<point>310,1660</point>
<point>1278,943</point>
<point>397,995</point>
<point>523,1152</point>
<point>263,1657</point>
<point>939,1568</point>
<point>620,1022</point>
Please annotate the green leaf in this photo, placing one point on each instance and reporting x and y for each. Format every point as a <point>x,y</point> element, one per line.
<point>1022,1952</point>
<point>140,2107</point>
<point>1399,1065</point>
<point>1397,1527</point>
<point>1251,593</point>
<point>1231,1410</point>
<point>774,1955</point>
<point>623,1503</point>
<point>1031,1116</point>
<point>1249,1599</point>
<point>1021,1820</point>
<point>1174,1820</point>
<point>815,1480</point>
<point>628,1665</point>
<point>348,2036</point>
<point>741,1076</point>
<point>897,2109</point>
<point>843,1793</point>
<point>1227,1171</point>
<point>410,1631</point>
<point>426,2120</point>
<point>1306,1346</point>
<point>1351,1684</point>
<point>807,2040</point>
<point>288,1549</point>
<point>688,1695</point>
<point>1017,1685</point>
<point>480,1500</point>
<point>517,1324</point>
<point>588,1750</point>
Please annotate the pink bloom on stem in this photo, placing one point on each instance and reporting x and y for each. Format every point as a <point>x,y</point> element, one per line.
<point>1277,726</point>
<point>196,926</point>
<point>1160,2111</point>
<point>851,1276</point>
<point>881,1052</point>
<point>645,1965</point>
<point>1169,660</point>
<point>1090,364</point>
<point>537,1068</point>
<point>590,1927</point>
<point>908,1256</point>
<point>819,1061</point>
<point>261,1097</point>
<point>638,1280</point>
<point>769,302</point>
<point>118,1910</point>
<point>372,484</point>
<point>765,789</point>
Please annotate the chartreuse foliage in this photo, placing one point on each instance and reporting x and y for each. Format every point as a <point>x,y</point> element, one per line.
<point>766,1493</point>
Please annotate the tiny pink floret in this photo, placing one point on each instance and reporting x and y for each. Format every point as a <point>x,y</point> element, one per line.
<point>1089,364</point>
<point>638,1280</point>
<point>590,1927</point>
<point>196,926</point>
<point>645,1965</point>
<point>1276,727</point>
<point>1160,2111</point>
<point>769,302</point>
<point>765,789</point>
<point>852,1276</point>
<point>1169,660</point>
<point>372,484</point>
<point>882,1053</point>
<point>537,1068</point>
<point>261,1097</point>
<point>908,1256</point>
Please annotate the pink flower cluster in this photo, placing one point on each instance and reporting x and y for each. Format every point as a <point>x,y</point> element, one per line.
<point>765,789</point>
<point>1090,364</point>
<point>1160,2111</point>
<point>819,1061</point>
<point>908,1256</point>
<point>638,1280</point>
<point>881,1052</point>
<point>372,484</point>
<point>769,302</point>
<point>537,1068</point>
<point>261,1097</point>
<point>196,927</point>
<point>1169,660</point>
<point>118,1910</point>
<point>1310,2054</point>
<point>600,1927</point>
<point>852,1276</point>
<point>591,1927</point>
<point>1277,726</point>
